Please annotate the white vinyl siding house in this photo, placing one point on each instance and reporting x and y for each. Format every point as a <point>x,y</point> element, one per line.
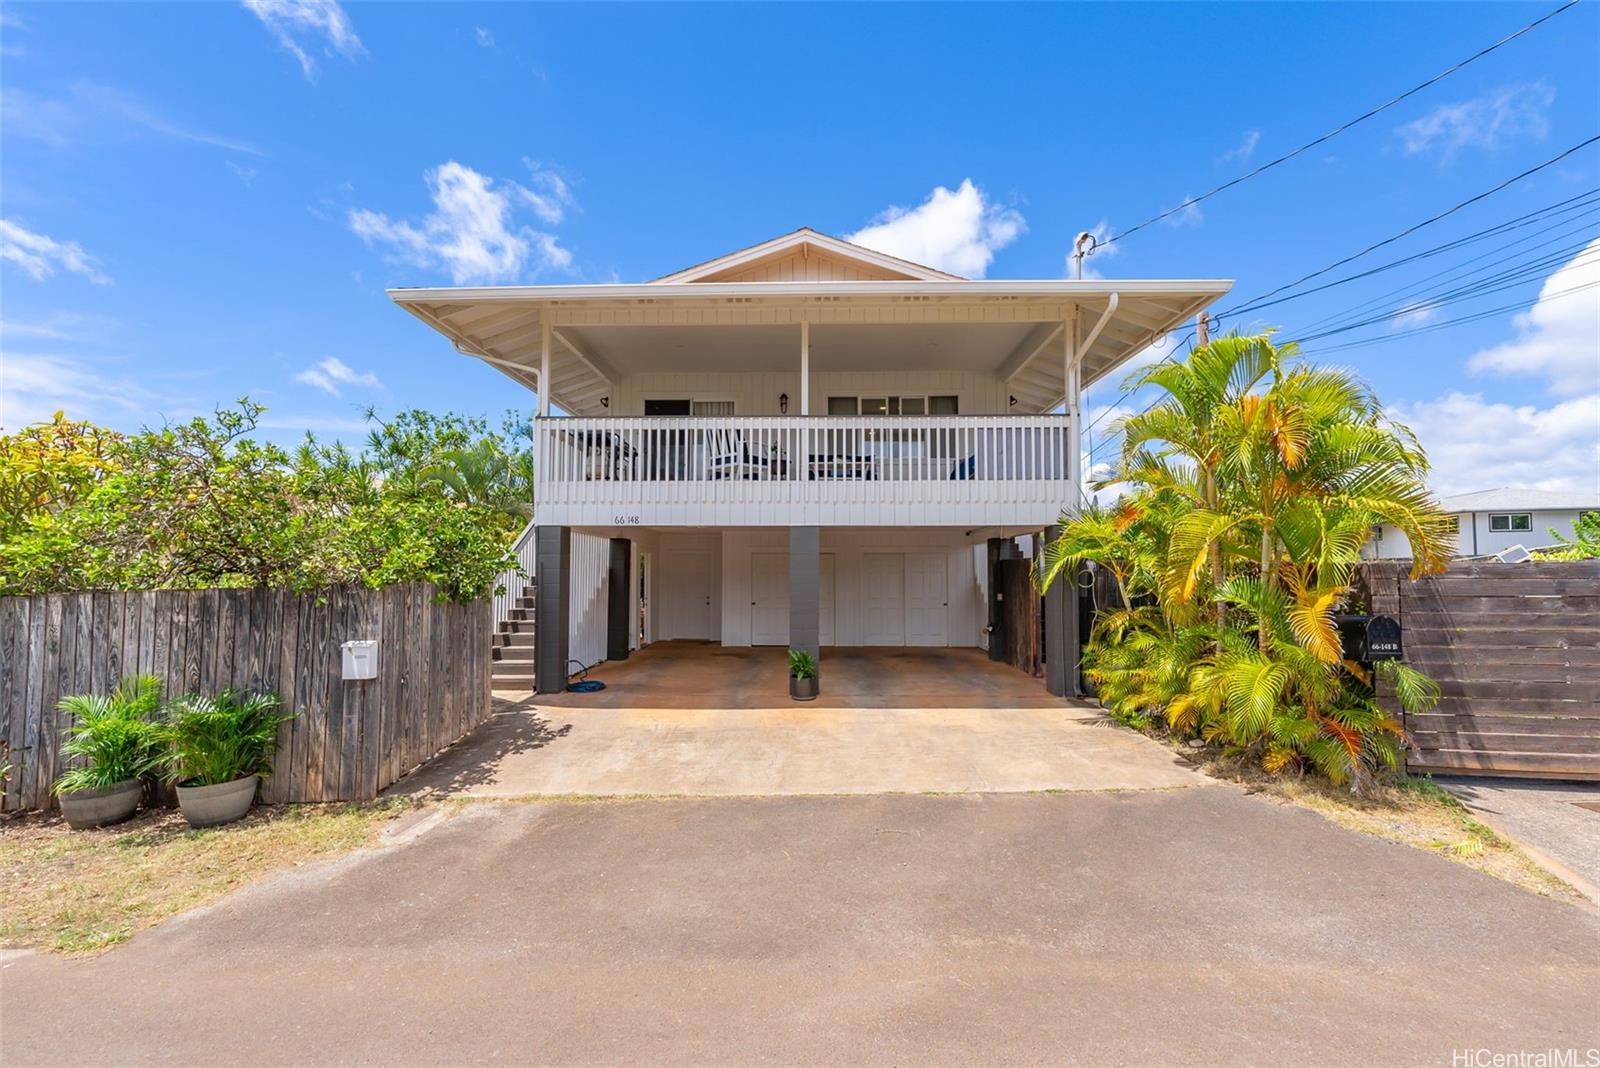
<point>802,443</point>
<point>1491,521</point>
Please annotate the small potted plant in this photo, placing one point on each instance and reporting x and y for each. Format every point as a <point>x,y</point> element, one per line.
<point>117,737</point>
<point>218,750</point>
<point>802,675</point>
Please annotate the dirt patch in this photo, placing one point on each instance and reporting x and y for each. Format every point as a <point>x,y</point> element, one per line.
<point>82,891</point>
<point>1414,810</point>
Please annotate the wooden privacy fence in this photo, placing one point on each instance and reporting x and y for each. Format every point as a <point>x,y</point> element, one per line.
<point>1515,649</point>
<point>350,739</point>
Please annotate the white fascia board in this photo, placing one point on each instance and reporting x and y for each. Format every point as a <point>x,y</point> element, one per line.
<point>648,292</point>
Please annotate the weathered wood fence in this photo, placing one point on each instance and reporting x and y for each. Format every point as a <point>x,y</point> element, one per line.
<point>350,739</point>
<point>1515,649</point>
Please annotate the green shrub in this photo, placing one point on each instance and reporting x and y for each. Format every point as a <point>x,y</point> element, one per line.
<point>214,740</point>
<point>116,734</point>
<point>199,504</point>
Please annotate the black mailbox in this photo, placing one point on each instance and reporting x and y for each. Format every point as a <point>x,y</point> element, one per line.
<point>1369,638</point>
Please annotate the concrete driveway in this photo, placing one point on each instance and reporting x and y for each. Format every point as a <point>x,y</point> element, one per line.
<point>698,719</point>
<point>1194,926</point>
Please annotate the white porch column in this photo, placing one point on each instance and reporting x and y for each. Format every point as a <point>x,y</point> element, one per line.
<point>1074,407</point>
<point>544,362</point>
<point>805,367</point>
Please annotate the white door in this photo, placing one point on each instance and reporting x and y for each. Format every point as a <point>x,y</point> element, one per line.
<point>927,599</point>
<point>769,598</point>
<point>825,601</point>
<point>686,595</point>
<point>883,595</point>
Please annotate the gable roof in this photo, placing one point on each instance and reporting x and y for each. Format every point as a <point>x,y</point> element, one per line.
<point>876,265</point>
<point>1510,498</point>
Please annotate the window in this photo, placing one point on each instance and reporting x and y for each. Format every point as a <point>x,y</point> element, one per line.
<point>894,406</point>
<point>1502,522</point>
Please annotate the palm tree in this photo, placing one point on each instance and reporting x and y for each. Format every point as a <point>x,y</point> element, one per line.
<point>1263,476</point>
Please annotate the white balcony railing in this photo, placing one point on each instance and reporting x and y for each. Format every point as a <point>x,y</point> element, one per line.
<point>781,470</point>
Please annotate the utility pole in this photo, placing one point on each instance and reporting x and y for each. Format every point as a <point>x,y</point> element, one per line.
<point>1202,328</point>
<point>1085,245</point>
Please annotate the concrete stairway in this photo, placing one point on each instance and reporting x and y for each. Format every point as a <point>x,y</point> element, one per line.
<point>513,646</point>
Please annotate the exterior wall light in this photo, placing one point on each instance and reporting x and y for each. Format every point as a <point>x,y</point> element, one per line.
<point>783,403</point>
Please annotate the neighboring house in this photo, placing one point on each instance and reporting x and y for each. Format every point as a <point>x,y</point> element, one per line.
<point>1489,521</point>
<point>804,443</point>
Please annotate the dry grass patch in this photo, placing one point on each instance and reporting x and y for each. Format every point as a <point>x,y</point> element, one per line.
<point>80,891</point>
<point>1415,811</point>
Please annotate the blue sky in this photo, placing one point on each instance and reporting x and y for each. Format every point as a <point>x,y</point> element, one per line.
<point>207,200</point>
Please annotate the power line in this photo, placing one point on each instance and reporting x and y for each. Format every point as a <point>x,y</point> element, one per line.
<point>1256,303</point>
<point>1582,204</point>
<point>1486,313</point>
<point>1455,269</point>
<point>1342,128</point>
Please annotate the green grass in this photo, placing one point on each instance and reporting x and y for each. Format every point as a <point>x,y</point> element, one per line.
<point>82,891</point>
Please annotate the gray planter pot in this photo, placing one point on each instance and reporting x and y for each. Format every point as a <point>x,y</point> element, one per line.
<point>208,806</point>
<point>97,808</point>
<point>803,689</point>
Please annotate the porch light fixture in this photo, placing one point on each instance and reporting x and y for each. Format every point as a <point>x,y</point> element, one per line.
<point>783,403</point>
<point>605,402</point>
<point>1011,402</point>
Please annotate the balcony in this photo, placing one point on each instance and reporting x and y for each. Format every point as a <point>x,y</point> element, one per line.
<point>802,470</point>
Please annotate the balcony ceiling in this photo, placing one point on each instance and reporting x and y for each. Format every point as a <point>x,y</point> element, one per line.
<point>603,333</point>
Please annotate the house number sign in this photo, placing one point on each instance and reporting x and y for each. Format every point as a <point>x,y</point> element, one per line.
<point>625,520</point>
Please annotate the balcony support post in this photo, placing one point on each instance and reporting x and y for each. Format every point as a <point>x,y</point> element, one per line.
<point>544,364</point>
<point>1072,366</point>
<point>805,367</point>
<point>552,612</point>
<point>805,583</point>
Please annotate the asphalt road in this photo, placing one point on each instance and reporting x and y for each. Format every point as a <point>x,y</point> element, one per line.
<point>1193,925</point>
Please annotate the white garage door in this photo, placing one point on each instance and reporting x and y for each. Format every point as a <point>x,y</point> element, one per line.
<point>769,599</point>
<point>927,599</point>
<point>883,595</point>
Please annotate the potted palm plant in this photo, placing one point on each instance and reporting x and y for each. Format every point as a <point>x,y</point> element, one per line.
<point>117,737</point>
<point>802,675</point>
<point>218,750</point>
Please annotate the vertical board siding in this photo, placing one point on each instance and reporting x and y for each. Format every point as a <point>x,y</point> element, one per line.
<point>350,740</point>
<point>591,590</point>
<point>1515,649</point>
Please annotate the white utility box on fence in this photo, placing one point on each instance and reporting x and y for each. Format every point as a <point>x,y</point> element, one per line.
<point>360,659</point>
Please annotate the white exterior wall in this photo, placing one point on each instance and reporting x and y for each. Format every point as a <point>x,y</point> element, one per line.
<point>1391,544</point>
<point>756,393</point>
<point>965,616</point>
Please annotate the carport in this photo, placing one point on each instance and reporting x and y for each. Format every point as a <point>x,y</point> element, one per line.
<point>700,719</point>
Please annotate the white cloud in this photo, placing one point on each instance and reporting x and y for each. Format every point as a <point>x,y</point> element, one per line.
<point>958,232</point>
<point>93,112</point>
<point>300,24</point>
<point>1478,444</point>
<point>41,256</point>
<point>331,373</point>
<point>483,36</point>
<point>247,175</point>
<point>35,385</point>
<point>1559,337</point>
<point>1245,148</point>
<point>1509,112</point>
<point>473,232</point>
<point>1414,314</point>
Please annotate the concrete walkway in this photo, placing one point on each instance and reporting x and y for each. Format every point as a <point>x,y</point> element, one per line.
<point>1557,823</point>
<point>1189,927</point>
<point>701,720</point>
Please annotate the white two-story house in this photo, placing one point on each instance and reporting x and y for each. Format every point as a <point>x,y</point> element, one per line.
<point>803,443</point>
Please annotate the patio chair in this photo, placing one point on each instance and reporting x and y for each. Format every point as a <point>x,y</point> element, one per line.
<point>728,455</point>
